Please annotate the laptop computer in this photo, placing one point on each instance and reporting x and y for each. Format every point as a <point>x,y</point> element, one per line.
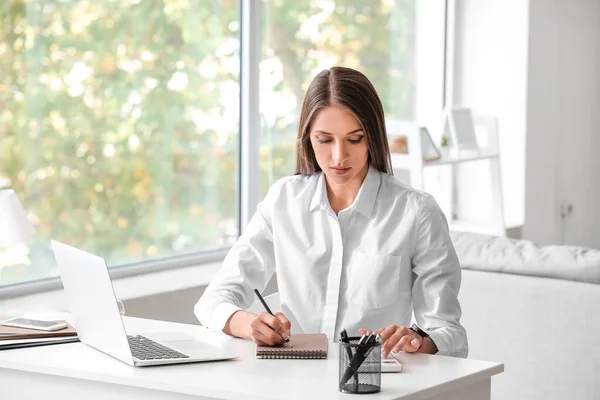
<point>93,305</point>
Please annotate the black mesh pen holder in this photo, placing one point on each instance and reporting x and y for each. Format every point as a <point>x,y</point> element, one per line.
<point>360,367</point>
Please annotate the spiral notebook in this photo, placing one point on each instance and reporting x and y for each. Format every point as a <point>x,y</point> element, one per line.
<point>305,346</point>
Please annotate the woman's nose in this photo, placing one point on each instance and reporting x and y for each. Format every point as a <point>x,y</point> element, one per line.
<point>339,152</point>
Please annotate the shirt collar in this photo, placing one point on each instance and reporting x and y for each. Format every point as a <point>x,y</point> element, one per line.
<point>367,195</point>
<point>319,198</point>
<point>365,199</point>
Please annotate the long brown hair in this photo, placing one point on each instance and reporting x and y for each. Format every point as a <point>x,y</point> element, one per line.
<point>351,91</point>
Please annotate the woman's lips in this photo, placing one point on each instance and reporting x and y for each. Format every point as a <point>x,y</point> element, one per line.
<point>340,170</point>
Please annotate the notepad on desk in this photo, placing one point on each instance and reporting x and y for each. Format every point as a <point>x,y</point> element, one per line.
<point>300,346</point>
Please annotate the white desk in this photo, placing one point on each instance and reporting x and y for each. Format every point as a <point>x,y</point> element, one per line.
<point>76,371</point>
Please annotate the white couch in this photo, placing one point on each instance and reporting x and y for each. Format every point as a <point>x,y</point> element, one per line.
<point>537,310</point>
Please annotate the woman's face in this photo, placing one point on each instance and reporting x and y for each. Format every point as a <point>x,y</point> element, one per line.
<point>340,145</point>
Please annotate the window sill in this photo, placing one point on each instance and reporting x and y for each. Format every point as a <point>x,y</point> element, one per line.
<point>126,288</point>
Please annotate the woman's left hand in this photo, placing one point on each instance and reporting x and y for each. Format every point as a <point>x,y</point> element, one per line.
<point>396,338</point>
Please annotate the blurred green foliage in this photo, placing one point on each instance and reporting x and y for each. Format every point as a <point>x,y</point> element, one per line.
<point>119,118</point>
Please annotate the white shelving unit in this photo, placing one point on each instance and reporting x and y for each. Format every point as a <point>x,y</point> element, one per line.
<point>414,163</point>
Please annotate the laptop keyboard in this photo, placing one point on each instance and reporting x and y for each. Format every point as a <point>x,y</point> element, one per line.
<point>143,348</point>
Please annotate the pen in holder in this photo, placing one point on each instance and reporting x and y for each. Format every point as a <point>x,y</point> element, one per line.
<point>360,366</point>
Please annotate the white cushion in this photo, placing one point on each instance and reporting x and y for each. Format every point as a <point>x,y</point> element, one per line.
<point>502,254</point>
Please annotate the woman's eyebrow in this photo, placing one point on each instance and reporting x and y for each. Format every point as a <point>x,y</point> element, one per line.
<point>349,133</point>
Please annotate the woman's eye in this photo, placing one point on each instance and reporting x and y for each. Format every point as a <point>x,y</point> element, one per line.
<point>323,141</point>
<point>357,140</point>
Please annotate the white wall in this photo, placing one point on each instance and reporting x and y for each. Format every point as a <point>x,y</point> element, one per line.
<point>536,66</point>
<point>541,217</point>
<point>563,122</point>
<point>489,74</point>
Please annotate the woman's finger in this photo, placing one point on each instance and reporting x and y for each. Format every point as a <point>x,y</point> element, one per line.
<point>409,343</point>
<point>286,325</point>
<point>270,320</point>
<point>392,342</point>
<point>415,344</point>
<point>264,338</point>
<point>258,342</point>
<point>266,334</point>
<point>258,325</point>
<point>403,344</point>
<point>387,333</point>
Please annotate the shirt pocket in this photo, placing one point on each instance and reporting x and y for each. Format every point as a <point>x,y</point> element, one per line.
<point>376,281</point>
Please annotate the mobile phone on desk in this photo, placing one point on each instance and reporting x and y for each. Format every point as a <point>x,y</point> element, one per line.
<point>28,323</point>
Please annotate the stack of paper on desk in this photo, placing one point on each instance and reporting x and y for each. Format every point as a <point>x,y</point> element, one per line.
<point>11,338</point>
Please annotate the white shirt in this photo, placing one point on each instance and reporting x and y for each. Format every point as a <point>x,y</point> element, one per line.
<point>370,266</point>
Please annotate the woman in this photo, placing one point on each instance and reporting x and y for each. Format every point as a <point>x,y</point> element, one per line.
<point>353,248</point>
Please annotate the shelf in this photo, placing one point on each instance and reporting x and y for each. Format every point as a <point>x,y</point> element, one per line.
<point>402,161</point>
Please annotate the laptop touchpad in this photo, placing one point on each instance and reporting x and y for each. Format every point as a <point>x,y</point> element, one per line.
<point>179,341</point>
<point>188,345</point>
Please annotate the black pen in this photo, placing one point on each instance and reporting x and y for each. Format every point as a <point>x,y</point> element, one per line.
<point>264,303</point>
<point>344,338</point>
<point>359,356</point>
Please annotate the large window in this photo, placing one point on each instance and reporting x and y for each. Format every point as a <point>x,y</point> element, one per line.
<point>119,119</point>
<point>119,127</point>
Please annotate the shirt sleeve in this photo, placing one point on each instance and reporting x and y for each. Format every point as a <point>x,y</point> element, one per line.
<point>436,282</point>
<point>249,264</point>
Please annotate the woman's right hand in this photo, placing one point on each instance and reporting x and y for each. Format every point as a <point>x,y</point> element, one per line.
<point>269,330</point>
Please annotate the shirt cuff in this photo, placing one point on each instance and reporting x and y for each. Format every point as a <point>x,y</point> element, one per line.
<point>220,315</point>
<point>441,342</point>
